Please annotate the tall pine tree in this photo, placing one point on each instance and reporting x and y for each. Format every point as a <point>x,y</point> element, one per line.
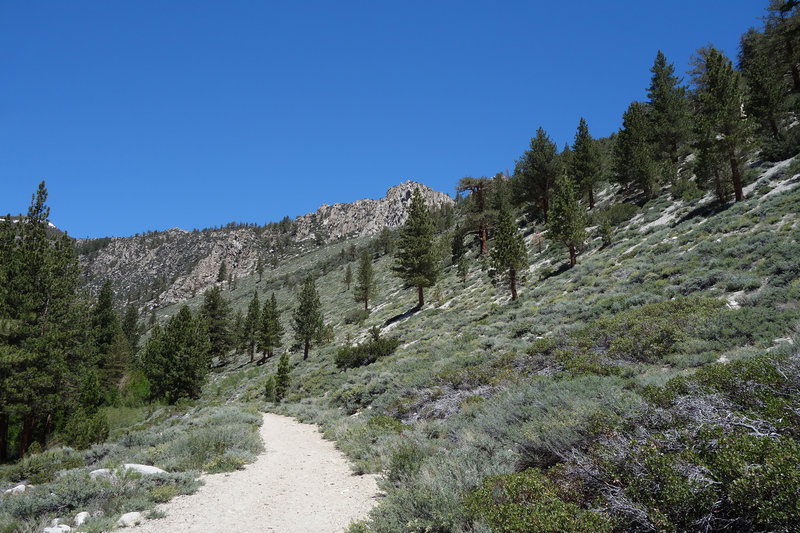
<point>585,161</point>
<point>669,110</point>
<point>417,261</point>
<point>251,325</point>
<point>535,173</point>
<point>308,317</point>
<point>215,310</point>
<point>633,156</point>
<point>567,222</point>
<point>365,281</point>
<point>509,254</point>
<point>271,330</point>
<point>720,109</point>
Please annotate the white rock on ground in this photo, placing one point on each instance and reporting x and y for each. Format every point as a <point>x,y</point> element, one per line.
<point>301,484</point>
<point>61,528</point>
<point>19,489</point>
<point>143,469</point>
<point>129,519</point>
<point>100,472</point>
<point>80,518</point>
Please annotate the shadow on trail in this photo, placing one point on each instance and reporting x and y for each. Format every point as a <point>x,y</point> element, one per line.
<point>401,316</point>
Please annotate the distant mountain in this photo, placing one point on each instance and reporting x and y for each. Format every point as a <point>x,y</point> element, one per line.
<point>158,268</point>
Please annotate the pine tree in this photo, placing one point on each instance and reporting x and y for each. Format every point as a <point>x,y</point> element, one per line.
<point>308,318</point>
<point>509,254</point>
<point>417,259</point>
<point>365,281</point>
<point>585,162</point>
<point>720,100</point>
<point>176,358</point>
<point>271,330</point>
<point>251,325</point>
<point>130,326</point>
<point>567,222</point>
<point>46,335</point>
<point>478,190</point>
<point>536,172</point>
<point>216,312</point>
<point>669,110</point>
<point>282,377</point>
<point>463,268</point>
<point>260,267</point>
<point>348,276</point>
<point>633,157</point>
<point>222,274</point>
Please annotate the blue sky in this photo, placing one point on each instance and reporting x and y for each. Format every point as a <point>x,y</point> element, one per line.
<point>149,115</point>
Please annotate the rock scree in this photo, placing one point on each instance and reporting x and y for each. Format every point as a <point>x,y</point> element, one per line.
<point>302,483</point>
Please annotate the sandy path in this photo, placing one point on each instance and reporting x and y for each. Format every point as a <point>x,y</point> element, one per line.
<point>302,483</point>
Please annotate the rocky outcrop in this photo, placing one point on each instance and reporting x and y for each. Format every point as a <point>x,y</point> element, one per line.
<point>366,217</point>
<point>159,268</point>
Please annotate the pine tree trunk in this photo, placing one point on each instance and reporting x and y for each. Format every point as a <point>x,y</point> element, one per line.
<point>512,275</point>
<point>27,433</point>
<point>573,259</point>
<point>421,298</point>
<point>737,179</point>
<point>252,351</point>
<point>591,197</point>
<point>545,206</point>
<point>366,301</point>
<point>305,350</point>
<point>483,237</point>
<point>3,437</point>
<point>773,125</point>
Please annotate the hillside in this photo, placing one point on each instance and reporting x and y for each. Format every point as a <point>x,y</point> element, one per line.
<point>484,386</point>
<point>158,268</point>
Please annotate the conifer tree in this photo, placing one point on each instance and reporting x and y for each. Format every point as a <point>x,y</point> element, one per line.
<point>251,325</point>
<point>130,326</point>
<point>365,281</point>
<point>536,172</point>
<point>176,358</point>
<point>282,377</point>
<point>260,267</point>
<point>308,318</point>
<point>567,222</point>
<point>463,268</point>
<point>216,312</point>
<point>271,330</point>
<point>509,254</point>
<point>222,274</point>
<point>348,276</point>
<point>585,161</point>
<point>721,121</point>
<point>669,110</point>
<point>633,157</point>
<point>479,219</point>
<point>417,259</point>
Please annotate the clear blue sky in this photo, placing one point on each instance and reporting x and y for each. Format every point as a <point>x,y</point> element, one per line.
<point>149,114</point>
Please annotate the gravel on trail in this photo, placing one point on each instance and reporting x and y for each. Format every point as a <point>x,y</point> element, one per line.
<point>302,483</point>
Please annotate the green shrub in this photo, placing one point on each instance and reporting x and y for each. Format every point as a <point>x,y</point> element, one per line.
<point>528,501</point>
<point>356,316</point>
<point>42,467</point>
<point>82,430</point>
<point>366,353</point>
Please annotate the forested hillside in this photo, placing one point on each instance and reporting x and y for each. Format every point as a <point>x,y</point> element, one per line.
<point>605,340</point>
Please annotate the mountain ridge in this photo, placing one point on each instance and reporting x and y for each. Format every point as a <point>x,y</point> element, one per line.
<point>158,268</point>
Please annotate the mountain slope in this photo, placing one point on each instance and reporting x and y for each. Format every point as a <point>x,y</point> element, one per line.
<point>159,268</point>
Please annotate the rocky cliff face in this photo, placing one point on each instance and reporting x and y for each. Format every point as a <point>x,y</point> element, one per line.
<point>171,266</point>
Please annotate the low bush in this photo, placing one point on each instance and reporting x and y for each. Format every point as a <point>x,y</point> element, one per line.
<point>366,353</point>
<point>528,501</point>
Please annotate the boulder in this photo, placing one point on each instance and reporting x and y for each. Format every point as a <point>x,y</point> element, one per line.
<point>19,489</point>
<point>100,472</point>
<point>129,519</point>
<point>60,528</point>
<point>143,469</point>
<point>80,518</point>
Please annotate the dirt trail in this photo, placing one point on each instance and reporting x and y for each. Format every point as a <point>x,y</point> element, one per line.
<point>301,484</point>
